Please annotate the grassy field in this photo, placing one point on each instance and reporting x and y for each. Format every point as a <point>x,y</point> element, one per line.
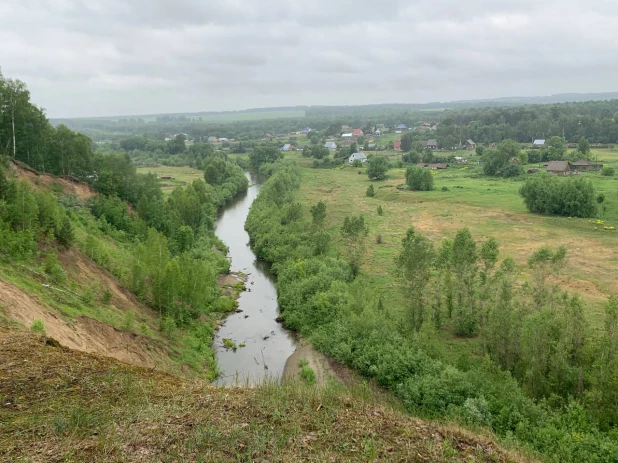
<point>62,405</point>
<point>488,207</point>
<point>181,176</point>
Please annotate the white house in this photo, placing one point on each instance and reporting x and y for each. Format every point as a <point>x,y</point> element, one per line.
<point>331,145</point>
<point>539,143</point>
<point>347,135</point>
<point>354,156</point>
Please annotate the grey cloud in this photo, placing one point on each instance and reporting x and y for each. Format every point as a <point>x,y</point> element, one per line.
<point>97,57</point>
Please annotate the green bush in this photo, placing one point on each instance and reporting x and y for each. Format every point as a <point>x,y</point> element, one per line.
<point>37,327</point>
<point>550,194</point>
<point>370,193</point>
<point>419,179</point>
<point>608,171</point>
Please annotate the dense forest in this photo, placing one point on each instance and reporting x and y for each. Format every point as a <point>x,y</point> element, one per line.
<point>546,380</point>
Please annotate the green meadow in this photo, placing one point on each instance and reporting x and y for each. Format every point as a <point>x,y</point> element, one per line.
<point>489,207</point>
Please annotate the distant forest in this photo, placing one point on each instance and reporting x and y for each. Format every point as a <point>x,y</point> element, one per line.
<point>495,121</point>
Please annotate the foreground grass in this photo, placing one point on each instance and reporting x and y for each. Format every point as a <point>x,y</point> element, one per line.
<point>62,405</point>
<point>488,207</point>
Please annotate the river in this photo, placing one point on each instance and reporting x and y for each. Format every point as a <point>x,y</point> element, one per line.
<point>267,344</point>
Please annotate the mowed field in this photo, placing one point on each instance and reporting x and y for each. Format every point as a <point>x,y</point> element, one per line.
<point>180,176</point>
<point>488,207</point>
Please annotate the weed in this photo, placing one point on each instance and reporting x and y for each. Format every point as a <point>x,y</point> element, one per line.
<point>38,327</point>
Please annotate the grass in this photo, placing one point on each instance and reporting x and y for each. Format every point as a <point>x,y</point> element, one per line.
<point>487,206</point>
<point>180,176</point>
<point>61,405</point>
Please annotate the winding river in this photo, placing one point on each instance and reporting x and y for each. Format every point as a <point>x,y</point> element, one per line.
<point>267,344</point>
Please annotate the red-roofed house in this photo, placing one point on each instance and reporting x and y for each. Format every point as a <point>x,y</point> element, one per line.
<point>397,145</point>
<point>358,133</point>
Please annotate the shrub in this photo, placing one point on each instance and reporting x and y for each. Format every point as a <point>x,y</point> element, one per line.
<point>52,267</point>
<point>370,191</point>
<point>106,297</point>
<point>378,167</point>
<point>511,170</point>
<point>608,171</point>
<point>357,163</point>
<point>444,188</point>
<point>379,239</point>
<point>37,327</point>
<point>380,210</point>
<point>307,373</point>
<point>419,179</point>
<point>548,194</point>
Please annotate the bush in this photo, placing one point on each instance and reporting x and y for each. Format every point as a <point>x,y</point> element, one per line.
<point>37,327</point>
<point>380,210</point>
<point>378,167</point>
<point>379,239</point>
<point>357,163</point>
<point>608,171</point>
<point>511,170</point>
<point>419,179</point>
<point>370,191</point>
<point>548,194</point>
<point>444,188</point>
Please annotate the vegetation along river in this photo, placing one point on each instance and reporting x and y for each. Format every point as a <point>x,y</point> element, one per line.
<point>267,344</point>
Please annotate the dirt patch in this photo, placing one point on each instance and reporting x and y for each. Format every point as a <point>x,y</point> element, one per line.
<point>84,334</point>
<point>84,271</point>
<point>229,284</point>
<point>70,185</point>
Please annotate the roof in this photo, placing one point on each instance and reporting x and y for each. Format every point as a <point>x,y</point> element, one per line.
<point>401,126</point>
<point>540,142</point>
<point>397,144</point>
<point>558,166</point>
<point>346,135</point>
<point>583,162</point>
<point>330,145</point>
<point>357,132</point>
<point>470,142</point>
<point>431,142</point>
<point>355,156</point>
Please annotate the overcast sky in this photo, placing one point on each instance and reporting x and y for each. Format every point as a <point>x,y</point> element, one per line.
<point>112,57</point>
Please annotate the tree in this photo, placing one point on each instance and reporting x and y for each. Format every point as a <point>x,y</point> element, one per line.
<point>353,148</point>
<point>480,149</point>
<point>378,167</point>
<point>583,147</point>
<point>414,265</point>
<point>494,160</point>
<point>370,193</point>
<point>556,148</point>
<point>549,194</point>
<point>354,232</point>
<point>419,179</point>
<point>177,144</point>
<point>407,141</point>
<point>262,155</point>
<point>318,213</point>
<point>65,234</point>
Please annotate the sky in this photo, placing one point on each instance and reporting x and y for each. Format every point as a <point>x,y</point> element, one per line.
<point>127,57</point>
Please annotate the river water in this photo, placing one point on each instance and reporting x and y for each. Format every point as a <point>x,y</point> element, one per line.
<point>267,344</point>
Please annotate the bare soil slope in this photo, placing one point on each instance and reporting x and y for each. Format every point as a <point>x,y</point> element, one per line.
<point>61,405</point>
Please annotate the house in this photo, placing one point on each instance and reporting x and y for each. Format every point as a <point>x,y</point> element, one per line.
<point>460,160</point>
<point>431,144</point>
<point>470,145</point>
<point>424,127</point>
<point>358,133</point>
<point>331,145</point>
<point>354,156</point>
<point>559,167</point>
<point>378,133</point>
<point>305,131</point>
<point>397,145</point>
<point>539,143</point>
<point>372,146</point>
<point>583,164</point>
<point>345,127</point>
<point>223,139</point>
<point>288,147</point>
<point>346,135</point>
<point>401,127</point>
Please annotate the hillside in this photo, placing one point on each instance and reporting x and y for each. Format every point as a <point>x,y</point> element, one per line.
<point>63,405</point>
